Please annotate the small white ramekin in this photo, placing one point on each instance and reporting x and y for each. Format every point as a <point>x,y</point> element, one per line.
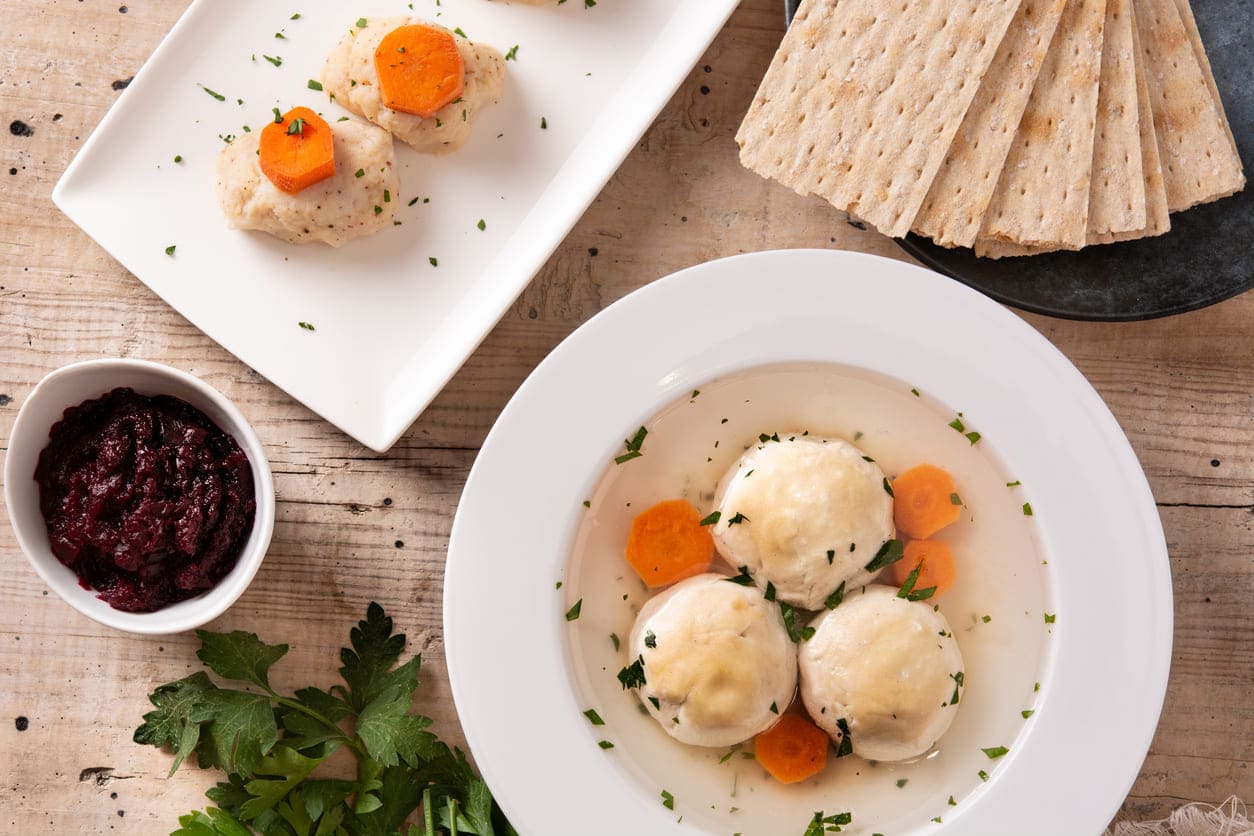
<point>71,385</point>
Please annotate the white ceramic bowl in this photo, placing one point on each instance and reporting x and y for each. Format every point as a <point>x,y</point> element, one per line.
<point>71,385</point>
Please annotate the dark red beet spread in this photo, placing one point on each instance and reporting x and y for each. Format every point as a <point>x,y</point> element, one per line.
<point>144,498</point>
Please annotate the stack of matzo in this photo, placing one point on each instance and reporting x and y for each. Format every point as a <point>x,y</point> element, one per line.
<point>1011,126</point>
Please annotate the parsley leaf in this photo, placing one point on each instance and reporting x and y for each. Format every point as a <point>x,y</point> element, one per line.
<point>889,553</point>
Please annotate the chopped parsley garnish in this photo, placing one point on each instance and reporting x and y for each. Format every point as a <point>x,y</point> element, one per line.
<point>763,437</point>
<point>1050,617</point>
<point>378,210</point>
<point>846,739</point>
<point>888,489</point>
<point>412,202</point>
<point>614,640</point>
<point>314,85</point>
<point>387,196</point>
<point>458,30</point>
<point>633,444</point>
<point>889,553</point>
<point>958,425</point>
<point>995,752</point>
<point>632,676</point>
<point>954,499</point>
<point>588,4</point>
<point>361,172</point>
<point>482,226</point>
<point>1016,483</point>
<point>973,437</point>
<point>544,124</point>
<point>938,820</point>
<point>1027,713</point>
<point>593,717</point>
<point>986,619</point>
<point>744,578</point>
<point>605,744</point>
<point>951,802</point>
<point>274,59</point>
<point>821,824</point>
<point>794,633</point>
<point>1036,687</point>
<point>901,782</point>
<point>833,600</point>
<point>908,591</point>
<point>435,262</point>
<point>695,392</point>
<point>178,158</point>
<point>729,754</point>
<point>770,591</point>
<point>512,54</point>
<point>280,36</point>
<point>573,612</point>
<point>831,555</point>
<point>657,706</point>
<point>711,519</point>
<point>983,775</point>
<point>774,707</point>
<point>297,128</point>
<point>737,520</point>
<point>170,249</point>
<point>668,800</point>
<point>959,678</point>
<point>650,639</point>
<point>213,93</point>
<point>278,117</point>
<point>295,16</point>
<point>308,326</point>
<point>1027,509</point>
<point>361,23</point>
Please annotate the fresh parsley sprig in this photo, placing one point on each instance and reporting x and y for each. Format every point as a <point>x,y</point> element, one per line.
<point>270,744</point>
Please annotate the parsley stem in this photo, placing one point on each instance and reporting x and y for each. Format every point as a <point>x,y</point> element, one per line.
<point>351,742</point>
<point>428,814</point>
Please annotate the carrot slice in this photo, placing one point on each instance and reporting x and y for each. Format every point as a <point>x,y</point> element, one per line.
<point>420,69</point>
<point>936,566</point>
<point>793,749</point>
<point>667,543</point>
<point>924,501</point>
<point>298,151</point>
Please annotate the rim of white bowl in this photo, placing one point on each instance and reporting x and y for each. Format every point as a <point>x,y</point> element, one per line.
<point>30,435</point>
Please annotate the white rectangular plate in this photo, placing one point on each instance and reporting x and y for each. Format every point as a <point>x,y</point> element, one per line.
<point>390,329</point>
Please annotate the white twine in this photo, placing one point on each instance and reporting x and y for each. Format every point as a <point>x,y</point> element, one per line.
<point>1227,819</point>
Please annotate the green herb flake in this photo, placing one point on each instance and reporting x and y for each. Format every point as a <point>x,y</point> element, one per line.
<point>986,618</point>
<point>544,124</point>
<point>274,59</point>
<point>361,172</point>
<point>512,54</point>
<point>378,210</point>
<point>888,554</point>
<point>973,437</point>
<point>296,16</point>
<point>314,85</point>
<point>794,633</point>
<point>763,437</point>
<point>915,392</point>
<point>458,30</point>
<point>1027,713</point>
<point>1050,618</point>
<point>995,752</point>
<point>178,158</point>
<point>1016,483</point>
<point>908,591</point>
<point>657,706</point>
<point>633,444</point>
<point>846,739</point>
<point>170,249</point>
<point>888,489</point>
<point>614,640</point>
<point>951,802</point>
<point>958,425</point>
<point>632,676</point>
<point>831,555</point>
<point>983,775</point>
<point>280,36</point>
<point>308,326</point>
<point>901,782</point>
<point>668,800</point>
<point>834,600</point>
<point>593,717</point>
<point>937,819</point>
<point>435,262</point>
<point>387,196</point>
<point>821,824</point>
<point>959,679</point>
<point>296,128</point>
<point>412,202</point>
<point>573,613</point>
<point>481,225</point>
<point>588,4</point>
<point>361,23</point>
<point>213,93</point>
<point>605,744</point>
<point>650,639</point>
<point>738,519</point>
<point>711,519</point>
<point>744,578</point>
<point>1027,509</point>
<point>1036,687</point>
<point>954,499</point>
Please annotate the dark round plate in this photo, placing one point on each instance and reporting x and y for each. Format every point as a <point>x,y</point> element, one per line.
<point>1208,255</point>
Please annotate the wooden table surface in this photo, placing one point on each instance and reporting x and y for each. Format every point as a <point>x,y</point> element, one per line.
<point>354,526</point>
